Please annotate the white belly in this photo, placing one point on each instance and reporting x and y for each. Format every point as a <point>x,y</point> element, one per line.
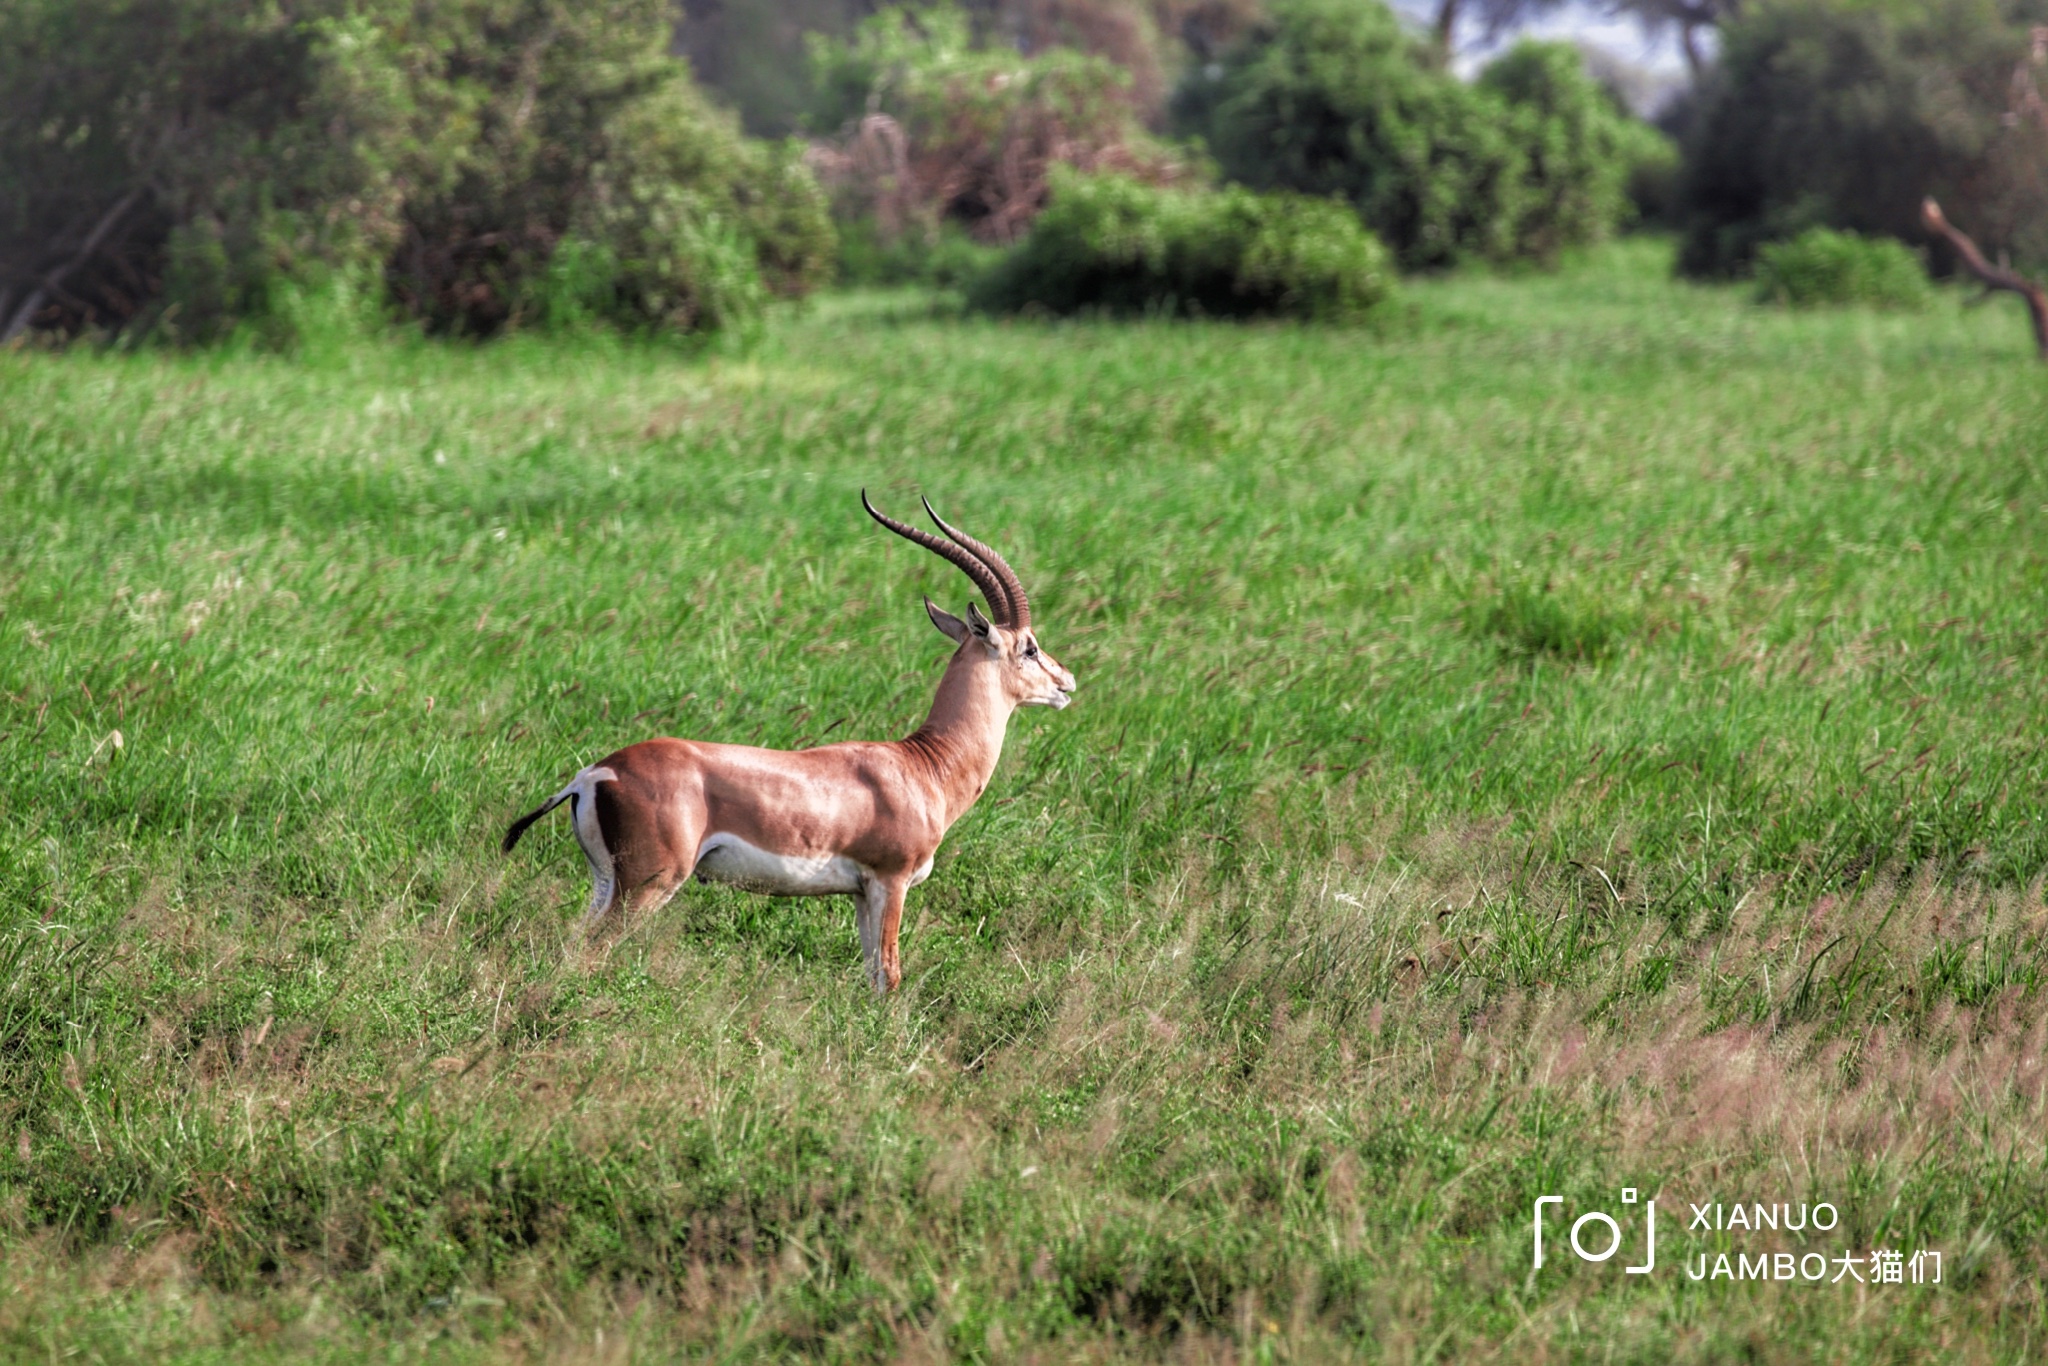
<point>731,860</point>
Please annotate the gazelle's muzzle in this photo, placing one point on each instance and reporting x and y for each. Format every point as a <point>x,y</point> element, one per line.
<point>1063,686</point>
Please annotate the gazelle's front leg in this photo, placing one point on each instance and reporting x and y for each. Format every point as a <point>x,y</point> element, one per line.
<point>879,914</point>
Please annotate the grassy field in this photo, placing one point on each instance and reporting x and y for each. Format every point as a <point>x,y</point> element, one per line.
<point>1584,732</point>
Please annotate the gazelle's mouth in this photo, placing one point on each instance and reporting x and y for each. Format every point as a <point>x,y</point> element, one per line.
<point>1059,699</point>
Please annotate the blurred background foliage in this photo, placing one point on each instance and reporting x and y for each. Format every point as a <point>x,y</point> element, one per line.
<point>1116,245</point>
<point>188,168</point>
<point>193,170</point>
<point>1845,113</point>
<point>1332,97</point>
<point>924,125</point>
<point>1822,266</point>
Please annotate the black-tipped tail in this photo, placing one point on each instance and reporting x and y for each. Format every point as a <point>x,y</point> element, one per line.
<point>519,826</point>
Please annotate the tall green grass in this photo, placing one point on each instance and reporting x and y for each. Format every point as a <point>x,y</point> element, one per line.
<point>1587,732</point>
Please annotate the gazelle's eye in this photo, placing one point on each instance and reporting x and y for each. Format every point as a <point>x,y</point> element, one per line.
<point>1031,650</point>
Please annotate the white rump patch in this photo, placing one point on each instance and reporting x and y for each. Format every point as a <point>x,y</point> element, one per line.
<point>603,876</point>
<point>731,860</point>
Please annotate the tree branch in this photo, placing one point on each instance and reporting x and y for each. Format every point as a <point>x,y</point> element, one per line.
<point>1446,26</point>
<point>1694,62</point>
<point>1994,278</point>
<point>55,279</point>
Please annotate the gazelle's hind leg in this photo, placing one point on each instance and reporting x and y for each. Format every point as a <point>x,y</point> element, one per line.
<point>587,794</point>
<point>644,899</point>
<point>652,852</point>
<point>604,899</point>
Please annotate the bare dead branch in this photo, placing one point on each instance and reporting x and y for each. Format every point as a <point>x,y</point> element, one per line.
<point>19,323</point>
<point>1993,278</point>
<point>54,281</point>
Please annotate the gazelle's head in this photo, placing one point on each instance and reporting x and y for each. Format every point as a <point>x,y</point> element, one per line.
<point>1029,676</point>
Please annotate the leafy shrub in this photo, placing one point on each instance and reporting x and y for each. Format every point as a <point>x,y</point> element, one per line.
<point>586,131</point>
<point>1845,113</point>
<point>1821,266</point>
<point>1331,97</point>
<point>751,53</point>
<point>1337,97</point>
<point>1582,155</point>
<point>929,128</point>
<point>947,259</point>
<point>1114,244</point>
<point>160,155</point>
<point>1653,183</point>
<point>697,225</point>
<point>209,165</point>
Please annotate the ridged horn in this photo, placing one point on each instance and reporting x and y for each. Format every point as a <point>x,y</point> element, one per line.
<point>961,558</point>
<point>1017,609</point>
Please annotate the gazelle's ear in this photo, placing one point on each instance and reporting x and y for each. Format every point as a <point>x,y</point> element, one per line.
<point>949,625</point>
<point>978,623</point>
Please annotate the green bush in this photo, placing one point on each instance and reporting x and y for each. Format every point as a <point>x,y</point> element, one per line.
<point>700,225</point>
<point>1821,266</point>
<point>1846,113</point>
<point>1653,183</point>
<point>585,131</point>
<point>925,127</point>
<point>186,161</point>
<point>1114,244</point>
<point>946,259</point>
<point>1331,97</point>
<point>1584,159</point>
<point>208,166</point>
<point>1336,97</point>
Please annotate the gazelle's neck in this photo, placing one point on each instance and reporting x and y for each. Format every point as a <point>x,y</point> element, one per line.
<point>962,737</point>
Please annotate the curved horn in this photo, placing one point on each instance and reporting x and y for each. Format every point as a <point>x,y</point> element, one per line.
<point>984,578</point>
<point>1017,610</point>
